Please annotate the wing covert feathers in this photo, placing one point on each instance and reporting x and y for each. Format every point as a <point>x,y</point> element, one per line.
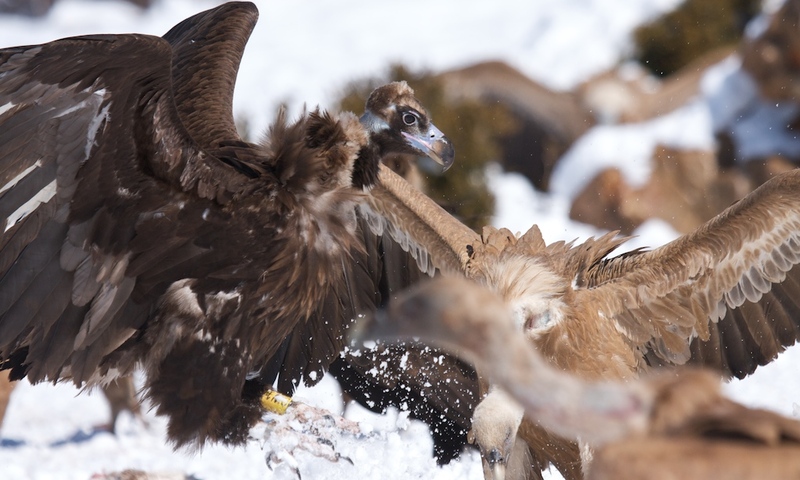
<point>731,285</point>
<point>418,224</point>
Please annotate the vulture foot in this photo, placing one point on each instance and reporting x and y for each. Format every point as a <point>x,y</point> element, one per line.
<point>304,428</point>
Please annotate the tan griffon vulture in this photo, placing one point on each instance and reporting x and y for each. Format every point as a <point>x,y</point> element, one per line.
<point>726,296</point>
<point>659,427</point>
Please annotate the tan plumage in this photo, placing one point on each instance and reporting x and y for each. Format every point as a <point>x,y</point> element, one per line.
<point>723,296</point>
<point>661,426</point>
<point>697,433</point>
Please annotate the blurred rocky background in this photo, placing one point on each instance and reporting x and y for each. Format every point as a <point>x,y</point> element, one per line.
<point>493,112</point>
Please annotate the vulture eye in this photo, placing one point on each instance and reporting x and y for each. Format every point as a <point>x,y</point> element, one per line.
<point>409,118</point>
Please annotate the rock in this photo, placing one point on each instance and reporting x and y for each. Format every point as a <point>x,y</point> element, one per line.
<point>549,121</point>
<point>685,189</point>
<point>773,57</point>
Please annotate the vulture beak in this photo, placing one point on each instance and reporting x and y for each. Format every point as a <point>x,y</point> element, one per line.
<point>496,465</point>
<point>433,144</point>
<point>499,471</point>
<point>379,326</point>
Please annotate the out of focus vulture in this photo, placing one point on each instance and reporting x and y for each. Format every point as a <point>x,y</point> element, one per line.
<point>724,296</point>
<point>661,426</point>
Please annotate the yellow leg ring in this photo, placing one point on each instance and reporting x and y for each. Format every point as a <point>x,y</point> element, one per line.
<point>275,402</point>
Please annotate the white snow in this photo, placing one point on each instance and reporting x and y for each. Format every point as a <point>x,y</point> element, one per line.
<point>304,51</point>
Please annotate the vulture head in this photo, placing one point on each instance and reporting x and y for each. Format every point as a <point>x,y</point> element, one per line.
<point>398,123</point>
<point>494,425</point>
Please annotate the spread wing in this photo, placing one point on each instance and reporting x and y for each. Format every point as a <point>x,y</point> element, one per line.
<point>206,52</point>
<point>133,220</point>
<point>731,288</point>
<point>433,386</point>
<point>103,193</point>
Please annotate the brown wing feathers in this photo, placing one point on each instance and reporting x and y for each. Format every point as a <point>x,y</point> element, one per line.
<point>206,55</point>
<point>101,224</point>
<point>156,236</point>
<point>740,265</point>
<point>88,112</point>
<point>413,220</point>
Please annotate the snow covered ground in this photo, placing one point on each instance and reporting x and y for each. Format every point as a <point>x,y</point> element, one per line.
<point>305,51</point>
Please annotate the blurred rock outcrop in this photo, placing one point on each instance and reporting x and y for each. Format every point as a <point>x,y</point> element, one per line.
<point>629,94</point>
<point>773,57</point>
<point>547,121</point>
<point>685,188</point>
<point>755,114</point>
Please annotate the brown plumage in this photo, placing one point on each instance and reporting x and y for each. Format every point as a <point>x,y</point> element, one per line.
<point>661,426</point>
<point>140,229</point>
<point>724,296</point>
<point>697,433</point>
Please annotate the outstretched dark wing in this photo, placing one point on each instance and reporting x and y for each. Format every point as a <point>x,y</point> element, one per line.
<point>206,51</point>
<point>433,386</point>
<point>731,288</point>
<point>91,150</point>
<point>114,219</point>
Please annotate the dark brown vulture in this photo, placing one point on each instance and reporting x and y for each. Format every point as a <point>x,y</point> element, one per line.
<point>726,296</point>
<point>140,229</point>
<point>658,427</point>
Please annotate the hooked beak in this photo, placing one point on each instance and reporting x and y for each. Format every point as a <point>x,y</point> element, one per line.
<point>495,464</point>
<point>499,471</point>
<point>433,144</point>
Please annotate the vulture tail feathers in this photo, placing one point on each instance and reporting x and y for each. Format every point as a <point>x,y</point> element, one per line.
<point>176,387</point>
